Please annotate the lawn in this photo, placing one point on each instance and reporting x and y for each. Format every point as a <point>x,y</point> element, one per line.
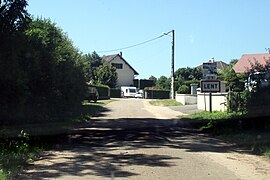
<point>165,102</point>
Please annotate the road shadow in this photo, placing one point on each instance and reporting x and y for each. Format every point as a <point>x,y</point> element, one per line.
<point>102,148</point>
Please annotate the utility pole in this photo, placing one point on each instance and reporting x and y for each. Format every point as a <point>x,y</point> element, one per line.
<point>172,64</point>
<point>172,67</point>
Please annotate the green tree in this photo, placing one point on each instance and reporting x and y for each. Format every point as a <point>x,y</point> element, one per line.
<point>98,71</point>
<point>92,62</point>
<point>186,76</point>
<point>13,17</point>
<point>234,81</point>
<point>188,73</point>
<point>106,75</point>
<point>154,79</point>
<point>56,79</point>
<point>13,78</point>
<point>164,83</point>
<point>183,89</point>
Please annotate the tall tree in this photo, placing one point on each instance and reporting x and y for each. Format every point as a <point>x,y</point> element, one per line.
<point>92,62</point>
<point>234,81</point>
<point>164,83</point>
<point>58,76</point>
<point>154,79</point>
<point>13,78</point>
<point>98,71</point>
<point>106,75</point>
<point>13,16</point>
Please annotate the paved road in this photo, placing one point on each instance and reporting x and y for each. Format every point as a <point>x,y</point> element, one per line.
<point>133,140</point>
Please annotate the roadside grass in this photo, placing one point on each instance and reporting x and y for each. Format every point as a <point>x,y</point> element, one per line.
<point>165,102</point>
<point>250,133</point>
<point>20,144</point>
<point>215,115</point>
<point>257,142</point>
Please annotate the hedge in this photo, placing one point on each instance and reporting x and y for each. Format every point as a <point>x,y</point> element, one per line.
<point>115,93</point>
<point>103,92</point>
<point>157,94</point>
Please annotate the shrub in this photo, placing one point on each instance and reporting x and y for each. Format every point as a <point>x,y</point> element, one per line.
<point>115,93</point>
<point>183,89</point>
<point>156,94</point>
<point>103,91</point>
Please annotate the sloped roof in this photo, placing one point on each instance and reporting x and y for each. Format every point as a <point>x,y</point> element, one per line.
<point>220,65</point>
<point>244,64</point>
<point>110,58</point>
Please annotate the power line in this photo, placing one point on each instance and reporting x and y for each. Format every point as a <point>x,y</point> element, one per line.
<point>128,47</point>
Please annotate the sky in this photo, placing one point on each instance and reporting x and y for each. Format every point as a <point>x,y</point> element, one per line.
<point>204,29</point>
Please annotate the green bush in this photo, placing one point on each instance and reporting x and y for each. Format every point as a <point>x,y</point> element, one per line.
<point>156,94</point>
<point>183,89</point>
<point>238,101</point>
<point>103,91</point>
<point>115,93</point>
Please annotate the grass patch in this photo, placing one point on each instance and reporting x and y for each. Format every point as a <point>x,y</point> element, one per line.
<point>251,133</point>
<point>266,151</point>
<point>165,102</point>
<point>215,115</point>
<point>256,141</point>
<point>14,152</point>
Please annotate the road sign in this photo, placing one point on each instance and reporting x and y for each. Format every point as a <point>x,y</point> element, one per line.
<point>210,86</point>
<point>209,70</point>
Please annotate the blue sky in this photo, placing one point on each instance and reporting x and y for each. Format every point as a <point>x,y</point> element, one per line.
<point>203,29</point>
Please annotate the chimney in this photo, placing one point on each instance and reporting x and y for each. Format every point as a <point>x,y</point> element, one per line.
<point>120,53</point>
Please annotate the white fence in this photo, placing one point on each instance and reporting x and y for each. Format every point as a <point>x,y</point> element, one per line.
<point>218,101</point>
<point>186,99</point>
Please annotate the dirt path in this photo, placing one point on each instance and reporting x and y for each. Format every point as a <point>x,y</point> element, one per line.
<point>122,144</point>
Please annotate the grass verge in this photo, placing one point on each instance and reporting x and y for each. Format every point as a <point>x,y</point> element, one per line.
<point>257,142</point>
<point>250,133</point>
<point>20,144</point>
<point>165,102</point>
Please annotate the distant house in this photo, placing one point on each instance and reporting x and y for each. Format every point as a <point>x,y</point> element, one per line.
<point>220,65</point>
<point>125,71</point>
<point>244,64</point>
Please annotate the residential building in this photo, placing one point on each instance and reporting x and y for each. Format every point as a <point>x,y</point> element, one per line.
<point>219,64</point>
<point>245,62</point>
<point>126,73</point>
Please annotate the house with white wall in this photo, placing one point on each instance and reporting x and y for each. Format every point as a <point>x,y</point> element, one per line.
<point>126,73</point>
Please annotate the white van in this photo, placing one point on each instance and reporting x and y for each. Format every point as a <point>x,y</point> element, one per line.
<point>128,91</point>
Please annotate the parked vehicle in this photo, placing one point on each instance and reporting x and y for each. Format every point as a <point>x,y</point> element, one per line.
<point>128,91</point>
<point>92,94</point>
<point>139,94</point>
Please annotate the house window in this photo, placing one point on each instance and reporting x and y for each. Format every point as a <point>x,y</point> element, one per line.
<point>117,65</point>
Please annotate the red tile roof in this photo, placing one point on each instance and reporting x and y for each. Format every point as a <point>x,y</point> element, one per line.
<point>244,64</point>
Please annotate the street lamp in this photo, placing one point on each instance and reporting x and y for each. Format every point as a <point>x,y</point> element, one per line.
<point>172,64</point>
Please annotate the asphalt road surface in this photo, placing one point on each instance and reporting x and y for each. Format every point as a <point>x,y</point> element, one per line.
<point>134,140</point>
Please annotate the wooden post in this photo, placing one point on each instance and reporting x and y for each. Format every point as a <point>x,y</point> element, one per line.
<point>210,102</point>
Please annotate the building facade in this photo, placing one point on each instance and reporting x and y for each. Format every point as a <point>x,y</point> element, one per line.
<point>125,72</point>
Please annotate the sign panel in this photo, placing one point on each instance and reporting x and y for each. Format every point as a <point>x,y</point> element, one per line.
<point>210,86</point>
<point>209,70</point>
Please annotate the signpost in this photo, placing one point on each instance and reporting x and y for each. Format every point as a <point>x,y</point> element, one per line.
<point>209,70</point>
<point>209,84</point>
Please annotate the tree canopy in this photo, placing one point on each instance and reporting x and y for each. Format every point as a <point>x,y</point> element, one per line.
<point>13,16</point>
<point>98,71</point>
<point>41,73</point>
